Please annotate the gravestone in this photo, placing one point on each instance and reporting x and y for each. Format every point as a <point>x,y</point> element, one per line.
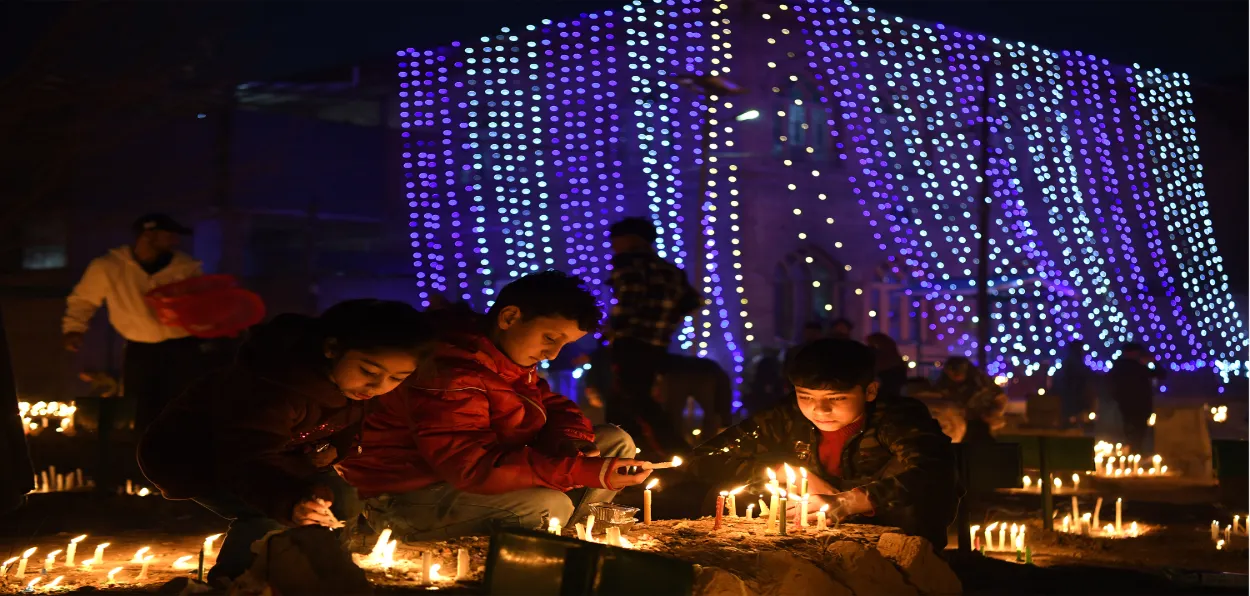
<point>1182,438</point>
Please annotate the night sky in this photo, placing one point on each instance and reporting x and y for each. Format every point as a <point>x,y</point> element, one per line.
<point>273,39</point>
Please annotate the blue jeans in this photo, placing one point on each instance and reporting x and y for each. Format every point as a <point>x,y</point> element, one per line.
<point>440,511</point>
<point>248,524</point>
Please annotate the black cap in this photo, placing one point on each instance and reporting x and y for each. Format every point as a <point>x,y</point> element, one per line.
<point>159,221</point>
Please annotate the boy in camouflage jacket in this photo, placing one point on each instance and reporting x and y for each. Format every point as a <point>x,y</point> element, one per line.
<point>885,461</point>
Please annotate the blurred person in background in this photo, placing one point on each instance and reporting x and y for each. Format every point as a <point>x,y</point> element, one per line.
<point>984,402</point>
<point>889,366</point>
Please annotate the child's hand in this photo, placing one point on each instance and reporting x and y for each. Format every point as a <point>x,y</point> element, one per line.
<point>314,512</point>
<point>576,447</point>
<point>619,476</point>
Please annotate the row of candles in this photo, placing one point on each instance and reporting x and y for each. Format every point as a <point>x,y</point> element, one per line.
<point>141,557</point>
<point>61,413</point>
<point>1091,524</point>
<point>1223,538</point>
<point>1018,541</point>
<point>47,481</point>
<point>383,557</point>
<point>1112,461</point>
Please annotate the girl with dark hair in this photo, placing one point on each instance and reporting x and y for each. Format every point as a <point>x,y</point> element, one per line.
<point>258,442</point>
<point>888,363</point>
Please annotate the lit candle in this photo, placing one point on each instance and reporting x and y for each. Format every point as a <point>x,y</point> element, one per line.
<point>732,503</point>
<point>1086,524</point>
<point>590,528</point>
<point>30,587</point>
<point>803,481</point>
<point>763,509</point>
<point>782,515</point>
<point>720,508</point>
<point>613,536</point>
<point>130,487</point>
<point>1058,484</point>
<point>4,567</point>
<point>78,476</point>
<point>462,561</point>
<point>60,482</point>
<point>789,479</point>
<point>1132,529</point>
<point>112,577</point>
<point>1027,483</point>
<point>646,500</point>
<point>1067,523</point>
<point>1228,533</point>
<point>50,560</point>
<point>751,512</point>
<point>1076,482</point>
<point>1015,529</point>
<point>581,532</point>
<point>1236,524</point>
<point>772,507</point>
<point>1097,512</point>
<point>1219,545</point>
<point>1163,470</point>
<point>1002,536</point>
<point>143,571</point>
<point>822,523</point>
<point>46,486</point>
<point>376,555</point>
<point>52,473</point>
<point>21,566</point>
<point>553,526</point>
<point>989,536</point>
<point>99,553</point>
<point>1076,512</point>
<point>1110,463</point>
<point>1108,530</point>
<point>975,532</point>
<point>1020,539</point>
<point>54,584</point>
<point>662,465</point>
<point>182,563</point>
<point>427,564</point>
<point>139,554</point>
<point>72,549</point>
<point>208,543</point>
<point>803,510</point>
<point>1119,509</point>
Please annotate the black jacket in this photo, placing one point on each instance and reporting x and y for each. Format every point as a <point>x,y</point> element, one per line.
<point>900,459</point>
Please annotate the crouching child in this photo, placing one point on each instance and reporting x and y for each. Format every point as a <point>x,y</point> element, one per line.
<point>257,442</point>
<point>485,442</point>
<point>880,461</point>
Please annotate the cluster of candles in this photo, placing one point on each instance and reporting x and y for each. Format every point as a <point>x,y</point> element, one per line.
<point>1112,461</point>
<point>48,481</point>
<point>773,513</point>
<point>62,414</point>
<point>383,557</point>
<point>141,558</point>
<point>1017,541</point>
<point>1219,414</point>
<point>1028,484</point>
<point>130,489</point>
<point>1224,538</point>
<point>1091,524</point>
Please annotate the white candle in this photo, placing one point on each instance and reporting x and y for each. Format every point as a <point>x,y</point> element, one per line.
<point>462,562</point>
<point>751,512</point>
<point>803,510</point>
<point>52,474</point>
<point>143,572</point>
<point>663,465</point>
<point>1219,545</point>
<point>1058,484</point>
<point>803,481</point>
<point>208,542</point>
<point>581,532</point>
<point>139,554</point>
<point>1020,539</point>
<point>30,587</point>
<point>613,536</point>
<point>822,523</point>
<point>1119,508</point>
<point>130,487</point>
<point>1027,483</point>
<point>989,536</point>
<point>732,502</point>
<point>1236,524</point>
<point>60,482</point>
<point>1228,533</point>
<point>772,507</point>
<point>646,500</point>
<point>1076,482</point>
<point>553,526</point>
<point>72,549</point>
<point>1215,531</point>
<point>975,532</point>
<point>78,477</point>
<point>1108,530</point>
<point>46,486</point>
<point>50,561</point>
<point>1067,523</point>
<point>99,554</point>
<point>112,576</point>
<point>427,568</point>
<point>1097,512</point>
<point>1132,529</point>
<point>4,567</point>
<point>1076,512</point>
<point>789,479</point>
<point>590,528</point>
<point>21,566</point>
<point>1086,524</point>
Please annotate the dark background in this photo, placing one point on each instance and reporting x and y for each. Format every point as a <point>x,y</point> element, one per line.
<point>239,41</point>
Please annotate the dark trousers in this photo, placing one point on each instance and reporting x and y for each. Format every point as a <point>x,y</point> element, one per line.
<point>248,524</point>
<point>631,404</point>
<point>154,374</point>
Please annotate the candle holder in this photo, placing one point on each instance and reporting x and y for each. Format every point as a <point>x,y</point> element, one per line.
<point>611,515</point>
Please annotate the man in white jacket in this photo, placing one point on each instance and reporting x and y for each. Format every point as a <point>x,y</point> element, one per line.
<point>160,361</point>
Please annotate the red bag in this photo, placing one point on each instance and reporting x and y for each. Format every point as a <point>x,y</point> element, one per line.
<point>207,306</point>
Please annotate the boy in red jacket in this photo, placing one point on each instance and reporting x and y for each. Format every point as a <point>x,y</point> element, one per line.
<point>486,442</point>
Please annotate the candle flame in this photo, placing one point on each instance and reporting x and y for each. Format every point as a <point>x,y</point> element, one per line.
<point>738,490</point>
<point>789,474</point>
<point>654,483</point>
<point>379,548</point>
<point>139,554</point>
<point>625,543</point>
<point>54,583</point>
<point>1058,483</point>
<point>113,573</point>
<point>990,528</point>
<point>78,539</point>
<point>724,493</point>
<point>9,562</point>
<point>771,488</point>
<point>103,545</point>
<point>30,587</point>
<point>803,472</point>
<point>1219,545</point>
<point>1132,529</point>
<point>388,554</point>
<point>30,551</point>
<point>781,492</point>
<point>676,461</point>
<point>434,574</point>
<point>182,563</point>
<point>826,508</point>
<point>772,476</point>
<point>1076,479</point>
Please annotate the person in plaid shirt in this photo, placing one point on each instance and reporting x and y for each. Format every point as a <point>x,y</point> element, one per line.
<point>652,297</point>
